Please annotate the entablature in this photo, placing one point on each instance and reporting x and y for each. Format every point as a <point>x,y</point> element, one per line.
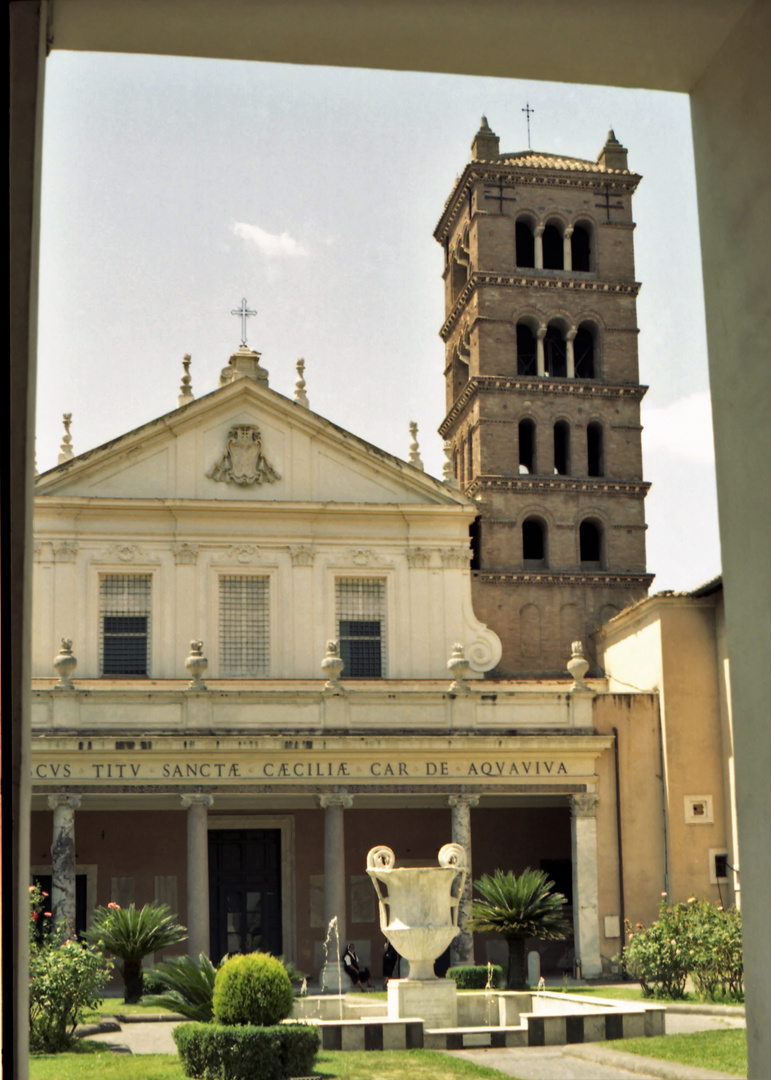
<point>584,578</point>
<point>599,486</point>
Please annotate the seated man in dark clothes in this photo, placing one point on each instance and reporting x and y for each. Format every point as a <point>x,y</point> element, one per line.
<point>390,960</point>
<point>358,975</point>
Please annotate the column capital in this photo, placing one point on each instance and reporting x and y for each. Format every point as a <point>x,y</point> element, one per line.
<point>195,799</point>
<point>539,230</point>
<point>62,799</point>
<point>336,798</point>
<point>584,804</point>
<point>571,334</point>
<point>541,331</point>
<point>462,800</point>
<point>568,231</point>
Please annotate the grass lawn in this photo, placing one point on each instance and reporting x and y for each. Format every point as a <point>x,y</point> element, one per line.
<point>114,1006</point>
<point>94,1062</point>
<point>725,1051</point>
<point>633,992</point>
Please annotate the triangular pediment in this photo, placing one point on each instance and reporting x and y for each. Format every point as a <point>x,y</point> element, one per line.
<point>244,442</point>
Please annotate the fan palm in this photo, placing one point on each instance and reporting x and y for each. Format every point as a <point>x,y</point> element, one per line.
<point>131,934</point>
<point>518,908</point>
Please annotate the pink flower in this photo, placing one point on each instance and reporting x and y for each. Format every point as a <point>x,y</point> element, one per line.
<point>32,888</point>
<point>639,926</point>
<point>114,906</point>
<point>44,894</point>
<point>663,894</point>
<point>47,914</point>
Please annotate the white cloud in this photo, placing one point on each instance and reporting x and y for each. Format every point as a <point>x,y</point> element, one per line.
<point>683,428</point>
<point>271,245</point>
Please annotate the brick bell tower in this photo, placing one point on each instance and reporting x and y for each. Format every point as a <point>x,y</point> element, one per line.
<point>543,394</point>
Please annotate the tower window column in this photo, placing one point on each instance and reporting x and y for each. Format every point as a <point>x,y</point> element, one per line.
<point>539,247</point>
<point>570,337</point>
<point>567,248</point>
<point>540,361</point>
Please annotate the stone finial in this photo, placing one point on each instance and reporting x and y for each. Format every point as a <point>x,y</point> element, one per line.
<point>196,664</point>
<point>65,451</point>
<point>578,665</point>
<point>448,472</point>
<point>486,144</point>
<point>65,663</point>
<point>299,387</point>
<point>415,459</point>
<point>244,364</point>
<point>332,665</point>
<point>613,155</point>
<point>458,667</point>
<point>186,390</point>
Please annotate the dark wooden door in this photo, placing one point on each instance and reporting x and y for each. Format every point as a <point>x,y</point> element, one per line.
<point>244,891</point>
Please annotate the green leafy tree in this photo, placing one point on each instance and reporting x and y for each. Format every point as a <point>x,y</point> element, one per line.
<point>518,908</point>
<point>65,978</point>
<point>131,934</point>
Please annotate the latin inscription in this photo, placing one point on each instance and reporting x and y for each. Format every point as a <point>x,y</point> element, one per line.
<point>296,770</point>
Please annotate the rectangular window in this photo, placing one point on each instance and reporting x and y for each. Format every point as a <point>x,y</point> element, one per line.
<point>124,607</point>
<point>360,604</point>
<point>244,627</point>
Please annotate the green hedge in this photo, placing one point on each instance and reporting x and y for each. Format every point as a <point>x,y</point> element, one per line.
<point>475,978</point>
<point>252,989</point>
<point>226,1052</point>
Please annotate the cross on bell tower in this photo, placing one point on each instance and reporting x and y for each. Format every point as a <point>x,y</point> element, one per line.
<point>543,393</point>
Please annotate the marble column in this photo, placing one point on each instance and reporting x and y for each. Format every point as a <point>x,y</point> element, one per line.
<point>540,360</point>
<point>63,860</point>
<point>570,337</point>
<point>198,938</point>
<point>586,915</point>
<point>463,945</point>
<point>567,249</point>
<point>539,246</point>
<point>333,978</point>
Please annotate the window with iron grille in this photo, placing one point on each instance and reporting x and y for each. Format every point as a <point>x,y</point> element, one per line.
<point>244,627</point>
<point>124,609</point>
<point>361,616</point>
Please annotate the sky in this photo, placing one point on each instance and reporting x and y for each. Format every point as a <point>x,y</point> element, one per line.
<point>175,187</point>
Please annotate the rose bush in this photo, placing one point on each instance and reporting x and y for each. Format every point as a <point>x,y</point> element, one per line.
<point>65,979</point>
<point>693,938</point>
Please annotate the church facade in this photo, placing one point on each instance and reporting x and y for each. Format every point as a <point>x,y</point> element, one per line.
<point>275,646</point>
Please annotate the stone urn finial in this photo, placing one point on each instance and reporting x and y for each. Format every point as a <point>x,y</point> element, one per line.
<point>300,395</point>
<point>66,453</point>
<point>186,390</point>
<point>578,665</point>
<point>448,472</point>
<point>332,665</point>
<point>458,667</point>
<point>65,663</point>
<point>415,459</point>
<point>196,664</point>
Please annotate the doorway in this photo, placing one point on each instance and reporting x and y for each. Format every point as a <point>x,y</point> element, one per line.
<point>245,891</point>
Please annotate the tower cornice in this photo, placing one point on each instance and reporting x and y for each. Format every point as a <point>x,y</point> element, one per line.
<point>585,177</point>
<point>550,484</point>
<point>529,280</point>
<point>598,579</point>
<point>533,384</point>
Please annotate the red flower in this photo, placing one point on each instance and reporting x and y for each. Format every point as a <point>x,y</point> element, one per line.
<point>114,906</point>
<point>34,916</point>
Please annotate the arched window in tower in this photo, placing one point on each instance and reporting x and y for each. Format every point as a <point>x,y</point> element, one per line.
<point>555,353</point>
<point>470,457</point>
<point>583,353</point>
<point>460,374</point>
<point>590,543</point>
<point>581,248</point>
<point>525,243</point>
<point>527,351</point>
<point>526,447</point>
<point>562,448</point>
<point>553,249</point>
<point>594,450</point>
<point>534,543</point>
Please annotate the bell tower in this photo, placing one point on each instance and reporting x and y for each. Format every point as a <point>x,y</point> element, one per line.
<point>543,393</point>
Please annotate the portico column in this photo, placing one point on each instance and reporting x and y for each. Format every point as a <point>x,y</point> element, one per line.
<point>197,807</point>
<point>586,917</point>
<point>63,860</point>
<point>570,337</point>
<point>332,974</point>
<point>539,247</point>
<point>567,248</point>
<point>463,945</point>
<point>540,363</point>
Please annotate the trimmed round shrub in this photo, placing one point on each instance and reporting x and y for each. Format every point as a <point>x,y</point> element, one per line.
<point>252,989</point>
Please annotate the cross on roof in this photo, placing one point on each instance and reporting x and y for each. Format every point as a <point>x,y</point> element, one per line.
<point>528,110</point>
<point>244,312</point>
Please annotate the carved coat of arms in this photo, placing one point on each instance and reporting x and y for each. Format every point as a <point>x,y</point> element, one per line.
<point>243,461</point>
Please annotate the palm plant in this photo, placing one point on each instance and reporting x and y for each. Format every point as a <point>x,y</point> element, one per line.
<point>188,987</point>
<point>131,934</point>
<point>518,908</point>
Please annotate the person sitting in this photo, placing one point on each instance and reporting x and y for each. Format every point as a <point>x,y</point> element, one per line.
<point>390,960</point>
<point>358,975</point>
